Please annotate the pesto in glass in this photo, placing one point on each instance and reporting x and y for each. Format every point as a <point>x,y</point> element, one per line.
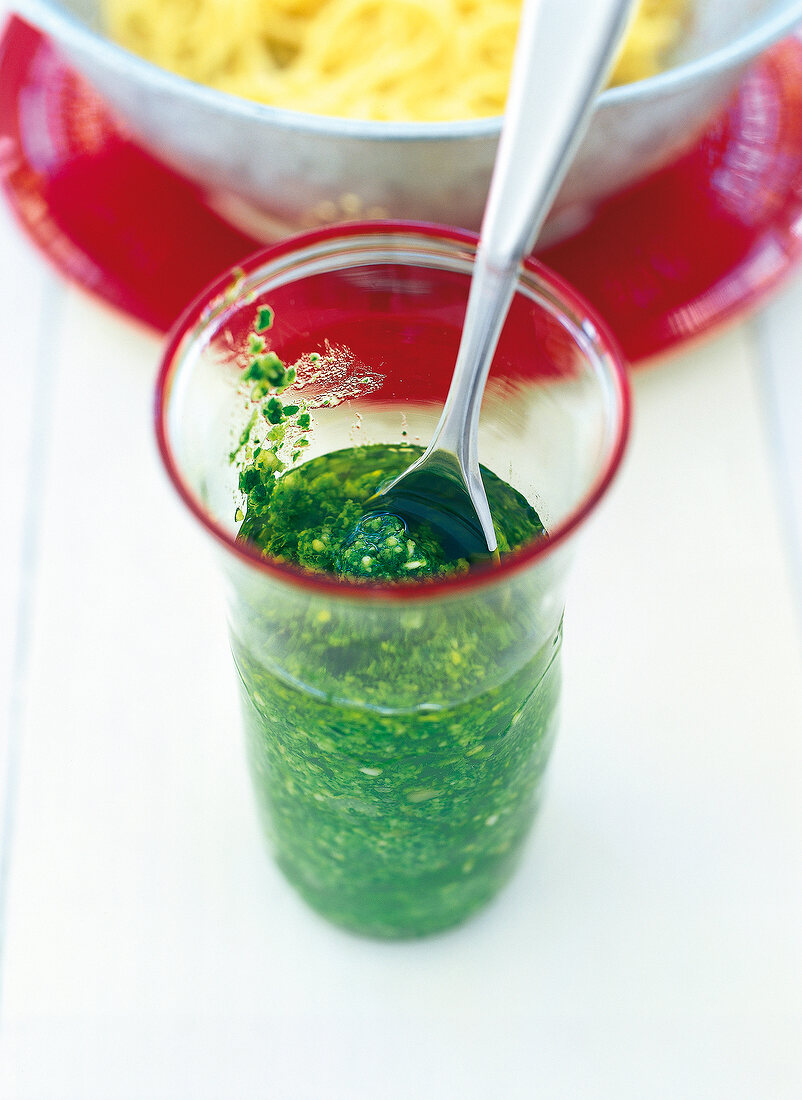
<point>396,748</point>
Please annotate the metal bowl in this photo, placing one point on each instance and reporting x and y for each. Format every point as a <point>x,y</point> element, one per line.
<point>274,171</point>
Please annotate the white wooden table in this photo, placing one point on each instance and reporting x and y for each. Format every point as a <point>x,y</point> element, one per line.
<point>650,947</point>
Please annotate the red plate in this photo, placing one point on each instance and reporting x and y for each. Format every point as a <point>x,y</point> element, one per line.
<point>694,246</point>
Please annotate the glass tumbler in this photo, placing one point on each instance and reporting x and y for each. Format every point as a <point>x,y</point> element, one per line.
<point>397,734</point>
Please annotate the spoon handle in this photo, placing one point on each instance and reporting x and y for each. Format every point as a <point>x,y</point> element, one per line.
<point>563,53</point>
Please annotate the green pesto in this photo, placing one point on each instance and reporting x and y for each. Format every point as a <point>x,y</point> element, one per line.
<point>264,319</point>
<point>312,515</point>
<point>396,749</point>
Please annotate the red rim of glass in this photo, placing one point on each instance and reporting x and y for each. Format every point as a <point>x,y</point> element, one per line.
<point>321,582</point>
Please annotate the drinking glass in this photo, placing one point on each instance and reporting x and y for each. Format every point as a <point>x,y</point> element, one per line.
<point>397,734</point>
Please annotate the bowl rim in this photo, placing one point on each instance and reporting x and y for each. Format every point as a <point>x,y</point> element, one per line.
<point>67,28</point>
<point>203,311</point>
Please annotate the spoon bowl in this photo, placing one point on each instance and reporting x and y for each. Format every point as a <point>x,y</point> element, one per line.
<point>433,491</point>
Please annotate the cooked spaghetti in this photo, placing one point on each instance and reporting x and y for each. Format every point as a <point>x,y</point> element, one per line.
<point>376,59</point>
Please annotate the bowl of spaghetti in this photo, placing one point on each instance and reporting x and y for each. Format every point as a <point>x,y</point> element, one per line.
<point>295,113</point>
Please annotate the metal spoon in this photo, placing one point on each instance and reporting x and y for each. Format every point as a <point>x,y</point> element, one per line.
<point>562,56</point>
